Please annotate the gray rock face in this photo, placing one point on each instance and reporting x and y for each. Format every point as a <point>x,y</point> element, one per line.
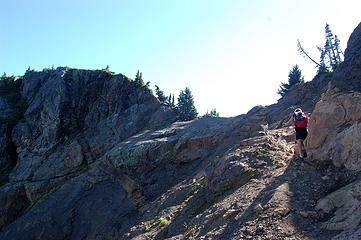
<point>4,109</point>
<point>335,132</point>
<point>335,129</point>
<point>73,118</point>
<point>334,126</point>
<point>348,76</point>
<point>13,201</point>
<point>346,205</point>
<point>7,149</point>
<point>93,184</point>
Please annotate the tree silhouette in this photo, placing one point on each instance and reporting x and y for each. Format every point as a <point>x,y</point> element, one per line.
<point>186,110</point>
<point>294,77</point>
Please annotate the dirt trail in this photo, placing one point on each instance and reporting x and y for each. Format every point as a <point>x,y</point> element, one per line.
<point>275,199</point>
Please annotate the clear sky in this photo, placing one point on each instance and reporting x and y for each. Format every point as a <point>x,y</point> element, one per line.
<point>232,54</point>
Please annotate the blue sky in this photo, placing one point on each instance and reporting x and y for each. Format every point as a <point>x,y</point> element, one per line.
<point>232,54</point>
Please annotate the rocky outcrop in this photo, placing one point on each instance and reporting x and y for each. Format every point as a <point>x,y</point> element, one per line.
<point>93,140</point>
<point>345,203</point>
<point>7,149</point>
<point>347,77</point>
<point>73,118</point>
<point>335,129</point>
<point>13,201</point>
<point>335,134</point>
<point>334,125</point>
<point>303,95</point>
<point>4,109</point>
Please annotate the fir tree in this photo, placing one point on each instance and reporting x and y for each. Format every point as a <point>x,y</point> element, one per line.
<point>330,54</point>
<point>212,113</point>
<point>294,77</point>
<point>170,101</point>
<point>186,110</point>
<point>339,52</point>
<point>160,94</point>
<point>138,79</point>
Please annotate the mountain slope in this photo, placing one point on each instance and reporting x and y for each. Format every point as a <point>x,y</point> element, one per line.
<point>98,157</point>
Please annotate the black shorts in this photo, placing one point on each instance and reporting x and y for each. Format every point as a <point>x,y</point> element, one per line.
<point>301,133</point>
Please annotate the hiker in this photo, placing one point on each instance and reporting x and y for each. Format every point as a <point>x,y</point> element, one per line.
<point>300,120</point>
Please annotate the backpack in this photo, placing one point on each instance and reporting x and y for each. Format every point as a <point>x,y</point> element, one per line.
<point>300,120</point>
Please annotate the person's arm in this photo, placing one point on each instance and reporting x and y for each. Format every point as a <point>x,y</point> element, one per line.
<point>289,122</point>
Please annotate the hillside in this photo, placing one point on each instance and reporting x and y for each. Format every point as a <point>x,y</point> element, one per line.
<point>96,156</point>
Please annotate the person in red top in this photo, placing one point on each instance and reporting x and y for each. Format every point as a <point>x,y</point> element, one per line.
<point>300,120</point>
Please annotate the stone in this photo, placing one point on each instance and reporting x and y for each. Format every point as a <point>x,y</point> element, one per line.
<point>5,109</point>
<point>334,127</point>
<point>13,202</point>
<point>8,155</point>
<point>345,206</point>
<point>347,77</point>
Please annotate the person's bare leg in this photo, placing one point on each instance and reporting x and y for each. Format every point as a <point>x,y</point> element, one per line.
<point>300,146</point>
<point>304,153</point>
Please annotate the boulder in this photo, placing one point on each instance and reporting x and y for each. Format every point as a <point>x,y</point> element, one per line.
<point>335,134</point>
<point>335,123</point>
<point>344,205</point>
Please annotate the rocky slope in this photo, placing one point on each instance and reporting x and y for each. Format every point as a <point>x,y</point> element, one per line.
<point>98,157</point>
<point>335,136</point>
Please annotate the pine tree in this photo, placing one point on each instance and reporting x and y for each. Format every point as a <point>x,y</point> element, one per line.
<point>138,79</point>
<point>160,94</point>
<point>330,54</point>
<point>170,101</point>
<point>186,110</point>
<point>332,49</point>
<point>4,76</point>
<point>212,113</point>
<point>294,77</point>
<point>322,66</point>
<point>339,52</point>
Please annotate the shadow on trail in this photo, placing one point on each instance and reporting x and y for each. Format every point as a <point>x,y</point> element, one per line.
<point>306,186</point>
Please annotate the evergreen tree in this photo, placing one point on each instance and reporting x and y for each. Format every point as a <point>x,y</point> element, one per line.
<point>330,54</point>
<point>331,51</point>
<point>186,110</point>
<point>170,101</point>
<point>160,94</point>
<point>138,78</point>
<point>212,113</point>
<point>339,52</point>
<point>294,77</point>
